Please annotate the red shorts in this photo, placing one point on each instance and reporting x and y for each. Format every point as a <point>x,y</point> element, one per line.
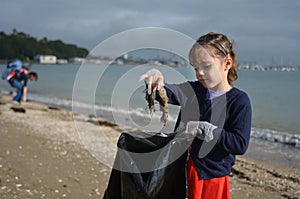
<point>215,188</point>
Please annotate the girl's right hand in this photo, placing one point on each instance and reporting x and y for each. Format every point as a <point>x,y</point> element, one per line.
<point>154,80</point>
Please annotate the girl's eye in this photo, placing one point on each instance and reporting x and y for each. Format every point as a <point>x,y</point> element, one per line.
<point>206,67</point>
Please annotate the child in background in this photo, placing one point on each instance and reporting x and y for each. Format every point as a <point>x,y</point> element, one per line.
<point>17,76</point>
<point>215,111</point>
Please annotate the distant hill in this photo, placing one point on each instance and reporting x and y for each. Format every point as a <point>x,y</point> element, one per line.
<point>23,46</point>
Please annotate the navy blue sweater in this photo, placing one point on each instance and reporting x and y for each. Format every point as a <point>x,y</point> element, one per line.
<point>230,112</point>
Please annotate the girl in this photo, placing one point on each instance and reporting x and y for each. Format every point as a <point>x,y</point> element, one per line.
<point>218,113</point>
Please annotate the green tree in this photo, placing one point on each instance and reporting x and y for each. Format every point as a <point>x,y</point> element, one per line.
<point>22,45</point>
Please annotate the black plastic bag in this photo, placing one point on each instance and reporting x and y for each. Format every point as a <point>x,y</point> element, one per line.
<point>142,167</point>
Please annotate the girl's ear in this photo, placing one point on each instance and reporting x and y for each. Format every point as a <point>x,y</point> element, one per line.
<point>227,63</point>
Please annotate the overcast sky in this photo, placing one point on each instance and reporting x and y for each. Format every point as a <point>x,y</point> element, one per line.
<point>264,31</point>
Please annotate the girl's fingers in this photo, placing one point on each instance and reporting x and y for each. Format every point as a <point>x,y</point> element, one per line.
<point>143,77</point>
<point>160,83</point>
<point>149,84</point>
<point>154,80</point>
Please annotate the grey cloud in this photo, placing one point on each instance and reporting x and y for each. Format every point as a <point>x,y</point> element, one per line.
<point>262,29</point>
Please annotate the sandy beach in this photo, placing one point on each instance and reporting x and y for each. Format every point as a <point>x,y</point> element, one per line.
<point>42,156</point>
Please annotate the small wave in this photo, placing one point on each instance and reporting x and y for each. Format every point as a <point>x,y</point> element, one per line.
<point>6,92</point>
<point>51,100</point>
<point>276,136</point>
<point>137,112</point>
<point>140,112</point>
<point>258,133</point>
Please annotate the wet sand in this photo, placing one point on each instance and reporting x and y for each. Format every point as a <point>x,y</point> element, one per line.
<point>41,156</point>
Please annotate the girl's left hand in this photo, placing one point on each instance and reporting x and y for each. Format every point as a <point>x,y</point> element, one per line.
<point>203,130</point>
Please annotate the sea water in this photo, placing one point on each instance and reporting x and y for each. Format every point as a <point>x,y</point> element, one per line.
<point>274,97</point>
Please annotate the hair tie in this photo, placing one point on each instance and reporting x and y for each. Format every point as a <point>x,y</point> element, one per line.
<point>223,49</point>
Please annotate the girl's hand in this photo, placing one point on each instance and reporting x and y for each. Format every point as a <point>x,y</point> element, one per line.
<point>154,80</point>
<point>203,130</point>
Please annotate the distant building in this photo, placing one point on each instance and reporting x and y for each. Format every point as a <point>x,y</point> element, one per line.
<point>61,61</point>
<point>45,59</point>
<point>76,60</point>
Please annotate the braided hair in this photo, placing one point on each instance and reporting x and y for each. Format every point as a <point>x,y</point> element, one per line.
<point>221,48</point>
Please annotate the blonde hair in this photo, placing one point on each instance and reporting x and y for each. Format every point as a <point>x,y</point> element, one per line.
<point>222,47</point>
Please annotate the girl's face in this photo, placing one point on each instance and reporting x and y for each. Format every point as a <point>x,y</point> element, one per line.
<point>210,71</point>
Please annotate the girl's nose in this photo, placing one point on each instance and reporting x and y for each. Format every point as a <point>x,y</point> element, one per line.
<point>200,72</point>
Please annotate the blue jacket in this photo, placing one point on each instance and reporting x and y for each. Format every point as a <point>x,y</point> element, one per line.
<point>230,112</point>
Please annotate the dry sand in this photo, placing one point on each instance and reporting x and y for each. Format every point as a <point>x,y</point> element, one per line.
<point>41,156</point>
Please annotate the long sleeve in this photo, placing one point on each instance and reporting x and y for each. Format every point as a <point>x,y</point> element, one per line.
<point>186,96</point>
<point>236,139</point>
<point>180,94</point>
<point>174,93</point>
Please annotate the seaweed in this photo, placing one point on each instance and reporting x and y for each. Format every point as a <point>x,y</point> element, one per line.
<point>162,98</point>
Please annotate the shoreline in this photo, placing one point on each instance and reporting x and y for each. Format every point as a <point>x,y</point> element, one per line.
<point>42,156</point>
<point>268,145</point>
